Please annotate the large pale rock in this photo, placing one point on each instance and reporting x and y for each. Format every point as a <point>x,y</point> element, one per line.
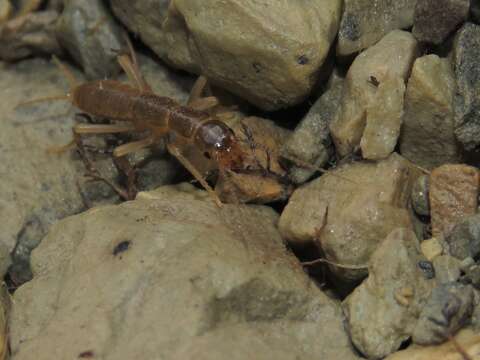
<point>453,196</point>
<point>466,52</point>
<point>390,58</point>
<point>267,52</point>
<point>468,339</point>
<point>364,22</point>
<point>434,20</point>
<point>428,137</point>
<point>384,118</point>
<point>172,276</point>
<point>382,311</point>
<point>310,142</point>
<point>350,210</point>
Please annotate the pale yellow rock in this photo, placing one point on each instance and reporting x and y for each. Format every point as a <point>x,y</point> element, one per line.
<point>268,52</point>
<point>384,118</point>
<point>431,248</point>
<point>391,57</point>
<point>363,202</point>
<point>6,10</point>
<point>468,340</point>
<point>428,137</point>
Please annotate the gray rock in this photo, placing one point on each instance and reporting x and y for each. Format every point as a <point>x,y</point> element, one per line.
<point>419,196</point>
<point>310,142</point>
<point>475,10</point>
<point>466,53</point>
<point>434,20</point>
<point>464,240</point>
<point>382,311</point>
<point>364,22</point>
<point>448,309</point>
<point>268,52</point>
<point>428,137</point>
<point>447,269</point>
<point>172,276</point>
<point>472,275</point>
<point>30,34</point>
<point>91,36</point>
<point>349,211</point>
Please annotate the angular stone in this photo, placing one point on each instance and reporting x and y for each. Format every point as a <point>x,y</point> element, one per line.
<point>466,53</point>
<point>467,339</point>
<point>364,22</point>
<point>382,311</point>
<point>434,20</point>
<point>428,137</point>
<point>91,36</point>
<point>419,196</point>
<point>363,203</point>
<point>384,118</point>
<point>391,57</point>
<point>453,196</point>
<point>447,269</point>
<point>6,11</point>
<point>464,239</point>
<point>447,310</point>
<point>30,34</point>
<point>431,248</point>
<point>310,142</point>
<point>171,276</point>
<point>268,52</point>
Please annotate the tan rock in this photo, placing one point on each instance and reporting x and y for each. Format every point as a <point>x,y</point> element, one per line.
<point>6,10</point>
<point>382,312</point>
<point>268,52</point>
<point>172,276</point>
<point>468,340</point>
<point>431,248</point>
<point>384,118</point>
<point>364,22</point>
<point>391,57</point>
<point>363,203</point>
<point>453,196</point>
<point>428,137</point>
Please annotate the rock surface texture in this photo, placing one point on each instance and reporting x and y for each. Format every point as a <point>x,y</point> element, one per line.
<point>364,22</point>
<point>453,196</point>
<point>434,20</point>
<point>173,277</point>
<point>428,131</point>
<point>91,36</point>
<point>349,211</point>
<point>466,53</point>
<point>310,142</point>
<point>382,311</point>
<point>392,57</point>
<point>267,52</point>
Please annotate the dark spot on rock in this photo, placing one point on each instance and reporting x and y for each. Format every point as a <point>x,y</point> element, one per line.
<point>121,247</point>
<point>257,67</point>
<point>86,354</point>
<point>350,27</point>
<point>303,60</point>
<point>427,268</point>
<point>374,81</point>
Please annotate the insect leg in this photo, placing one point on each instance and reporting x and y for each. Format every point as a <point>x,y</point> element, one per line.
<point>196,174</point>
<point>128,148</point>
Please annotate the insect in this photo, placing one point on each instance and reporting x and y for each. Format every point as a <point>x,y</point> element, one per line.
<point>137,109</point>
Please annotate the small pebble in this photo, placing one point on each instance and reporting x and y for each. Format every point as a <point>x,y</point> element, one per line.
<point>431,248</point>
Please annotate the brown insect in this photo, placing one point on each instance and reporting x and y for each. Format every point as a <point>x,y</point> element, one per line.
<point>138,109</point>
